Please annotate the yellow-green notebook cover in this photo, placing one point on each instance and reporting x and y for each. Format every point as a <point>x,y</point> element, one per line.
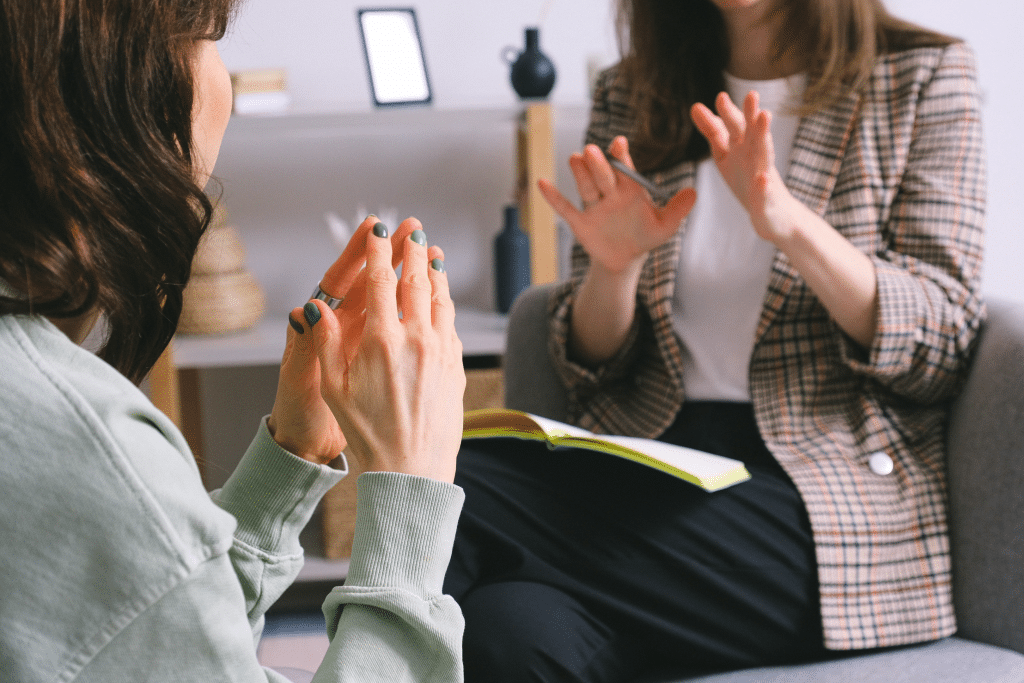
<point>708,471</point>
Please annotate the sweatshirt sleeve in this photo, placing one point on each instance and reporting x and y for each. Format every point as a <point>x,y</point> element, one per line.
<point>397,626</point>
<point>390,621</point>
<point>272,494</point>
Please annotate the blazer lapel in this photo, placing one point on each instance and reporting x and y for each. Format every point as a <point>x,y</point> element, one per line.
<point>818,150</point>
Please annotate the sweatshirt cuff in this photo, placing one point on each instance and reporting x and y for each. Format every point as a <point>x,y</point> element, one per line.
<point>405,529</point>
<point>273,493</point>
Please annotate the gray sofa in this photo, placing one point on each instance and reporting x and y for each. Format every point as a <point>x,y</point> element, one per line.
<point>986,473</point>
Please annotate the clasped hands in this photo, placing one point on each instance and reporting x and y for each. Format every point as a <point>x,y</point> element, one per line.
<point>381,377</point>
<point>619,224</point>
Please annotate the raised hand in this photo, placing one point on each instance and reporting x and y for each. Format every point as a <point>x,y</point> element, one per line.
<point>840,275</point>
<point>300,421</point>
<point>742,148</point>
<point>395,384</point>
<point>618,224</point>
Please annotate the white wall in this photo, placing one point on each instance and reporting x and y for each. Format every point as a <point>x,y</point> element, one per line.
<point>462,39</point>
<point>994,31</point>
<point>278,187</point>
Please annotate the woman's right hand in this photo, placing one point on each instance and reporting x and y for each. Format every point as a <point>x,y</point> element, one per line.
<point>619,224</point>
<point>394,382</point>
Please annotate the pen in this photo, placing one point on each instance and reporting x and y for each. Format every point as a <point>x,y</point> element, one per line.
<point>655,191</point>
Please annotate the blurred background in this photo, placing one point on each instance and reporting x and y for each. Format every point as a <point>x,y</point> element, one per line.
<point>452,164</point>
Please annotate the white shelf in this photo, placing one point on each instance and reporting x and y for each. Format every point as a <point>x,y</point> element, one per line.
<point>386,121</point>
<point>482,334</point>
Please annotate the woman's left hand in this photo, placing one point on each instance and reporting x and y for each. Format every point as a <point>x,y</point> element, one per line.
<point>840,275</point>
<point>742,148</point>
<point>300,421</point>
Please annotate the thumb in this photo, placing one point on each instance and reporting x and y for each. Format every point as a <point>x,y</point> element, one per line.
<point>299,360</point>
<point>673,213</point>
<point>299,347</point>
<point>325,339</point>
<point>562,206</point>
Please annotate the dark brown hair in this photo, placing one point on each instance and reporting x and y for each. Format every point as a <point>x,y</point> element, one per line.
<point>675,53</point>
<point>99,206</point>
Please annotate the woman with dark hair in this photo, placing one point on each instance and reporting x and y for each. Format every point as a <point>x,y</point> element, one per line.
<point>117,564</point>
<point>807,302</point>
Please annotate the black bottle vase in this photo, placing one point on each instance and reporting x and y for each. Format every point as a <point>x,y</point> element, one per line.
<point>511,261</point>
<point>533,74</point>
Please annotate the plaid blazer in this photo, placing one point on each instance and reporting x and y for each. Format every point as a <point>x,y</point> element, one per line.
<point>898,169</point>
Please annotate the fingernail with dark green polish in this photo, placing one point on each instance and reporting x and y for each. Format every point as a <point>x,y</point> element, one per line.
<point>419,237</point>
<point>380,230</point>
<point>438,265</point>
<point>297,326</point>
<point>312,313</point>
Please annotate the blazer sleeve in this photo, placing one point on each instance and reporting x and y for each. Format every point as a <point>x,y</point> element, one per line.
<point>928,272</point>
<point>581,380</point>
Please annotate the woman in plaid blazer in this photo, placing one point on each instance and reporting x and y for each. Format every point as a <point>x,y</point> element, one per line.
<point>872,304</point>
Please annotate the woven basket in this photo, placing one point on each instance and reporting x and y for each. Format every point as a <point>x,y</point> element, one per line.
<point>222,296</point>
<point>220,303</point>
<point>220,251</point>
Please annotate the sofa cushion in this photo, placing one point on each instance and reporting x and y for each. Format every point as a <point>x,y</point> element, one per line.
<point>952,660</point>
<point>986,477</point>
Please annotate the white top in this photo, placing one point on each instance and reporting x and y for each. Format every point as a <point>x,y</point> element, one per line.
<point>724,266</point>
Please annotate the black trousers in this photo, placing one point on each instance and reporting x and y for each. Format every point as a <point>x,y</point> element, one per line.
<point>571,565</point>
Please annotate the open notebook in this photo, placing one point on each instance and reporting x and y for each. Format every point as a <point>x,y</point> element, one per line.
<point>708,471</point>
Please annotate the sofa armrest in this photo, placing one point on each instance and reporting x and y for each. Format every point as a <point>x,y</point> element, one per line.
<point>986,479</point>
<point>531,383</point>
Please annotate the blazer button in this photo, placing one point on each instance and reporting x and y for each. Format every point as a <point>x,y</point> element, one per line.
<point>880,463</point>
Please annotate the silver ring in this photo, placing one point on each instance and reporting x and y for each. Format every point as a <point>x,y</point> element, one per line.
<point>326,298</point>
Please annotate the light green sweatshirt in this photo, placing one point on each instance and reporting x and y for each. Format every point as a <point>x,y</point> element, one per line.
<point>116,565</point>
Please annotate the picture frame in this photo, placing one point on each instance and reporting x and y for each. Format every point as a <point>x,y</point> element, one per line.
<point>394,56</point>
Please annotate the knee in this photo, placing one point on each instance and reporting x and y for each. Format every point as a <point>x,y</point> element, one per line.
<point>527,633</point>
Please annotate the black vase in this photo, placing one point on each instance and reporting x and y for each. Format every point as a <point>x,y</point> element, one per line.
<point>533,74</point>
<point>511,261</point>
